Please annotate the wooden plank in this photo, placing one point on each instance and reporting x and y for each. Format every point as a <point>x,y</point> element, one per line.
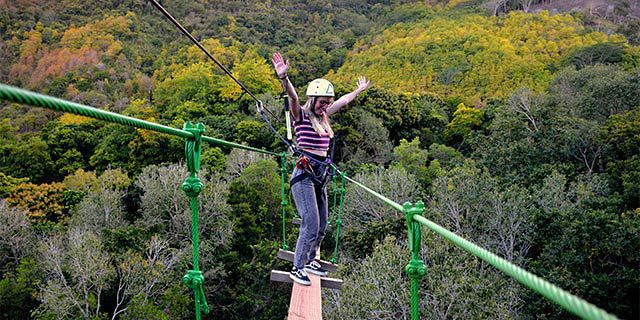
<point>288,255</point>
<point>329,283</point>
<point>306,301</point>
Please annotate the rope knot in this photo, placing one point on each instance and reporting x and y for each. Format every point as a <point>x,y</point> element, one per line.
<point>416,269</point>
<point>193,279</point>
<point>192,186</point>
<point>193,146</point>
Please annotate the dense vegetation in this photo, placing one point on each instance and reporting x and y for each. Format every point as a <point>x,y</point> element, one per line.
<point>521,132</point>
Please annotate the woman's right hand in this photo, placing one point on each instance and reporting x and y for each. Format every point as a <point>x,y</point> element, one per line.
<point>280,65</point>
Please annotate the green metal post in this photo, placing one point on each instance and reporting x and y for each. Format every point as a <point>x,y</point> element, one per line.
<point>283,203</point>
<point>416,268</point>
<point>341,190</point>
<point>192,187</point>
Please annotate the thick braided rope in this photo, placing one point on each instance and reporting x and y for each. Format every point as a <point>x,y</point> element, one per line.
<point>571,303</point>
<point>18,95</point>
<point>379,196</point>
<point>236,145</point>
<point>22,96</point>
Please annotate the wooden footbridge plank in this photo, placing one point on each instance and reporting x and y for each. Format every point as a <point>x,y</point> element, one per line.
<point>306,301</point>
<point>329,283</point>
<point>288,255</point>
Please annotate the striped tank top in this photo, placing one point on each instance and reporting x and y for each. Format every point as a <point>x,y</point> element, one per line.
<point>307,137</point>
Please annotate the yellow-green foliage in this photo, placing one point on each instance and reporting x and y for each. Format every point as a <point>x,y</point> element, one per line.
<point>8,183</point>
<point>191,77</point>
<point>465,119</point>
<point>111,179</point>
<point>472,56</point>
<point>43,201</point>
<point>100,35</point>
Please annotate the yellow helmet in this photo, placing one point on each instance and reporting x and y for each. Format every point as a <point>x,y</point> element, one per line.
<point>320,88</point>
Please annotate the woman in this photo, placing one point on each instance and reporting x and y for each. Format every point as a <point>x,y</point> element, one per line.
<point>313,133</point>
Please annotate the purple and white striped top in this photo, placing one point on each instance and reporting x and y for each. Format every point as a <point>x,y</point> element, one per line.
<point>307,137</point>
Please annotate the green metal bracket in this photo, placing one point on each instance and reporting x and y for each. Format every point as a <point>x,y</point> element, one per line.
<point>192,187</point>
<point>416,268</point>
<point>283,195</point>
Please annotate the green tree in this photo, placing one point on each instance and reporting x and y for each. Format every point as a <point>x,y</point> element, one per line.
<point>18,290</point>
<point>585,245</point>
<point>20,160</point>
<point>600,53</point>
<point>622,135</point>
<point>368,141</point>
<point>409,156</point>
<point>113,148</point>
<point>375,287</point>
<point>595,92</point>
<point>465,121</point>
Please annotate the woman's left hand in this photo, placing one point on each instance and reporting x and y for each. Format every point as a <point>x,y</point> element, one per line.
<point>362,83</point>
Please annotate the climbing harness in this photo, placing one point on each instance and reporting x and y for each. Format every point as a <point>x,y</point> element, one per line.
<point>320,171</point>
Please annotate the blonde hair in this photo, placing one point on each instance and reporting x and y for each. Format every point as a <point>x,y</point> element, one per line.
<point>321,126</point>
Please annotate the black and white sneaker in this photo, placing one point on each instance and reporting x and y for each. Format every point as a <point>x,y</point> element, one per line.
<point>315,268</point>
<point>300,276</point>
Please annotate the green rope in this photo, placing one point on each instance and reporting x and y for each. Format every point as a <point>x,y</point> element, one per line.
<point>22,96</point>
<point>236,145</point>
<point>283,197</point>
<point>192,187</point>
<point>568,301</point>
<point>388,201</point>
<point>335,197</point>
<point>571,303</point>
<point>341,191</point>
<point>18,95</point>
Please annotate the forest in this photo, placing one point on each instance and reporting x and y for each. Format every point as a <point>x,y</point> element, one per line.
<point>516,122</point>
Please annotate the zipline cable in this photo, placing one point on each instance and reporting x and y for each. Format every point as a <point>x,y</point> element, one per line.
<point>199,45</point>
<point>259,103</point>
<point>291,147</point>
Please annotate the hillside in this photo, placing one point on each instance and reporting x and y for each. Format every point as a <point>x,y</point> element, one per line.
<point>618,10</point>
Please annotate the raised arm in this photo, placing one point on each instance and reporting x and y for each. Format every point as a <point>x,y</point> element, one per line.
<point>282,68</point>
<point>362,83</point>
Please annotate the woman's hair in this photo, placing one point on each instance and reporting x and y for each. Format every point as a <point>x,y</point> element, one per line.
<point>321,126</point>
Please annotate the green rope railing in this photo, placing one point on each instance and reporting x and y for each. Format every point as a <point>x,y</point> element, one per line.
<point>571,303</point>
<point>283,199</point>
<point>338,216</point>
<point>379,196</point>
<point>18,95</point>
<point>192,186</point>
<point>416,270</point>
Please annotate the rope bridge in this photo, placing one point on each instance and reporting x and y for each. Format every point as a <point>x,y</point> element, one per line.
<point>416,269</point>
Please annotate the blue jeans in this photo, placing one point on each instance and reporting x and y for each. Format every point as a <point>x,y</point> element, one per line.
<point>311,202</point>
